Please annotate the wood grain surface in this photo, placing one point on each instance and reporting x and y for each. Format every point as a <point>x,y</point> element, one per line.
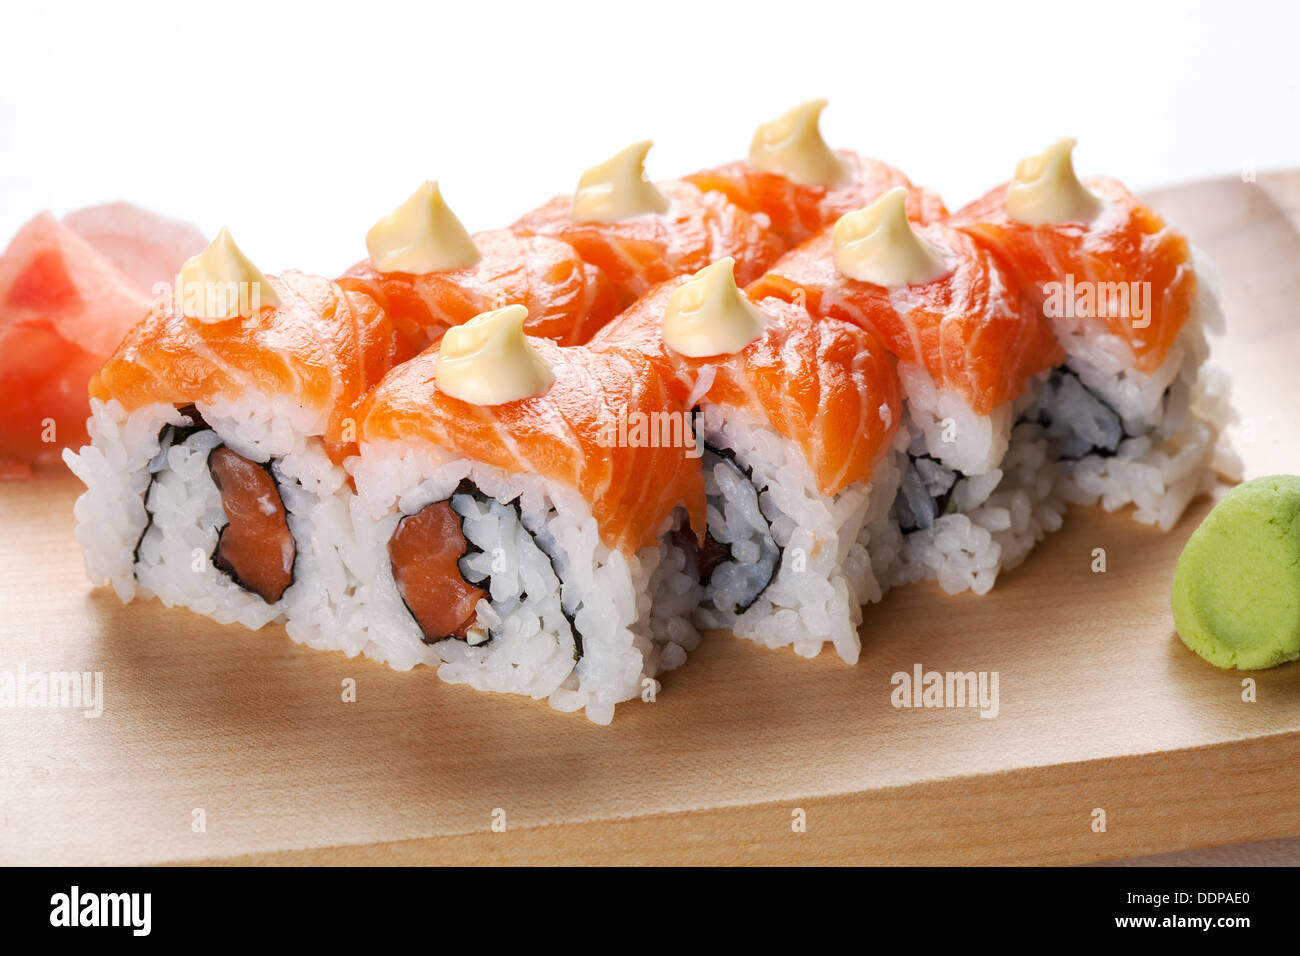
<point>1101,707</point>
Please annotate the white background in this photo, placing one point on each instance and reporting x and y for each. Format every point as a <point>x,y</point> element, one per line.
<point>299,125</point>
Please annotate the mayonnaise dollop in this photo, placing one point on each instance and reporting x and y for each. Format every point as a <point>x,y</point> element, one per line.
<point>709,315</point>
<point>420,236</point>
<point>878,244</point>
<point>792,146</point>
<point>221,283</point>
<point>1045,189</point>
<point>618,188</point>
<point>489,360</point>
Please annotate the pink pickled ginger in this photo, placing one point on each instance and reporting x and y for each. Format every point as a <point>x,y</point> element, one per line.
<point>69,291</point>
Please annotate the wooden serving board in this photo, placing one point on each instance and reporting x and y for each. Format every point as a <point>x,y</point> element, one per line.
<point>1100,705</point>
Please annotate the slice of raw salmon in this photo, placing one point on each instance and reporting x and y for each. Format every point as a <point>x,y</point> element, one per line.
<point>1128,242</point>
<point>825,385</point>
<point>797,212</point>
<point>637,253</point>
<point>323,345</point>
<point>971,329</point>
<point>571,435</point>
<point>567,298</point>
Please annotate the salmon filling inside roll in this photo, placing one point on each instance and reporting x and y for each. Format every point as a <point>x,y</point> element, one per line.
<point>256,547</point>
<point>467,563</point>
<point>426,550</point>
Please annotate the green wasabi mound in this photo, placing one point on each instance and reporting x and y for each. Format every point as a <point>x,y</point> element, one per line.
<point>1237,585</point>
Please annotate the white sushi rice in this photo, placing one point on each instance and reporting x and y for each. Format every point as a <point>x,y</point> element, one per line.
<point>125,473</point>
<point>829,560</point>
<point>941,423</point>
<point>114,467</point>
<point>1005,501</point>
<point>630,612</point>
<point>997,519</point>
<point>1173,418</point>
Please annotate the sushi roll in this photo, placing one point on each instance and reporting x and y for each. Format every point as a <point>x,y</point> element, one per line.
<point>429,275</point>
<point>641,233</point>
<point>794,179</point>
<point>510,534</point>
<point>1135,410</point>
<point>796,417</point>
<point>213,476</point>
<point>973,355</point>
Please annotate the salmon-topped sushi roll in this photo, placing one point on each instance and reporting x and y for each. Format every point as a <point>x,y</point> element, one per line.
<point>217,427</point>
<point>794,179</point>
<point>1134,409</point>
<point>973,354</point>
<point>797,417</point>
<point>429,275</point>
<point>512,533</point>
<point>641,233</point>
